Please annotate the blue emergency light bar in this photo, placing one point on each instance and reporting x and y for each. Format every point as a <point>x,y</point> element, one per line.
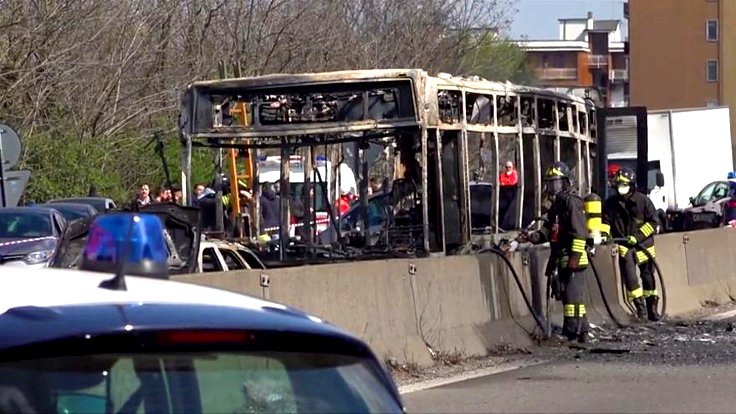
<point>126,244</point>
<point>731,175</point>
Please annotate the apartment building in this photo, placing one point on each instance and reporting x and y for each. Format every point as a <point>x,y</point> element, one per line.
<point>683,53</point>
<point>589,57</point>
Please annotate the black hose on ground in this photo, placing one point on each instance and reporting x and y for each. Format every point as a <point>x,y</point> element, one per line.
<point>603,296</point>
<point>510,265</point>
<point>639,247</point>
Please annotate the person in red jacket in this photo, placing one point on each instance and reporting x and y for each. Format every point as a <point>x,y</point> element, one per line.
<point>509,176</point>
<point>343,202</point>
<point>508,181</point>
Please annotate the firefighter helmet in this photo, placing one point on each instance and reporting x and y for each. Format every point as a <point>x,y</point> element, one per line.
<point>557,178</point>
<point>557,170</point>
<point>625,181</point>
<point>625,175</point>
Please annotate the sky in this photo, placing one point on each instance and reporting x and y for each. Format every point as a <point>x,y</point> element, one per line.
<point>537,19</point>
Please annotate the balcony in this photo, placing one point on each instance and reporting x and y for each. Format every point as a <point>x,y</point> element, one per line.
<point>597,61</point>
<point>618,103</point>
<point>618,75</point>
<point>556,73</point>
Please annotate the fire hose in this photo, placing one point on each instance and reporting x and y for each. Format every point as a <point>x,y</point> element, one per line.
<point>500,253</point>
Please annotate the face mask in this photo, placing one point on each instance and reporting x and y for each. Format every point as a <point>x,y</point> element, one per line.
<point>623,189</point>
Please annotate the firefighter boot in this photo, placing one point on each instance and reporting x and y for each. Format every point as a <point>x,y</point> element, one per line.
<point>652,312</point>
<point>583,336</point>
<point>570,326</point>
<point>641,308</point>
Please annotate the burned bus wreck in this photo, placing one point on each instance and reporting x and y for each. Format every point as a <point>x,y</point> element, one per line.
<point>409,162</point>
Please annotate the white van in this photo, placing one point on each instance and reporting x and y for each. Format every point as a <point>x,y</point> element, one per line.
<point>269,171</point>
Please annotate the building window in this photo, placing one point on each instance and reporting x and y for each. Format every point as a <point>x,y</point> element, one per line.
<point>712,70</point>
<point>711,30</point>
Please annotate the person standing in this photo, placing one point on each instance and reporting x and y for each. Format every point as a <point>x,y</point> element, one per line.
<point>566,230</point>
<point>632,216</point>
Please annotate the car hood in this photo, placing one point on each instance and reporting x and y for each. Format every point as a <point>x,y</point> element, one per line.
<point>17,248</point>
<point>181,223</point>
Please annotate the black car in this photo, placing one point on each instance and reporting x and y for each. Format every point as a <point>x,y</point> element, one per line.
<point>182,235</point>
<point>72,211</point>
<point>29,236</point>
<point>101,204</point>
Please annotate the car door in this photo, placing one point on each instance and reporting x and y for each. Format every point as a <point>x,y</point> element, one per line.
<point>59,225</point>
<point>211,261</point>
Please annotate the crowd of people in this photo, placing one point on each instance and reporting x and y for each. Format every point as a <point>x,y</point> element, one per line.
<point>166,194</point>
<point>269,208</point>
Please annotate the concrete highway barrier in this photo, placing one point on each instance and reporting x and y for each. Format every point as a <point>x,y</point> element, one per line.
<point>417,310</point>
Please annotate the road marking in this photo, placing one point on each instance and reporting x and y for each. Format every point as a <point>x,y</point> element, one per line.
<point>721,316</point>
<point>483,372</point>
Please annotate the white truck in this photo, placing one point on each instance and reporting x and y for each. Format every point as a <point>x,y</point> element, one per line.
<point>689,147</point>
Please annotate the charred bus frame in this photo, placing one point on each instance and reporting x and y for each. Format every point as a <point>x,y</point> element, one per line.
<point>442,126</point>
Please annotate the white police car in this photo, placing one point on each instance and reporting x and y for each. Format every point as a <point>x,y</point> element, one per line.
<point>75,341</point>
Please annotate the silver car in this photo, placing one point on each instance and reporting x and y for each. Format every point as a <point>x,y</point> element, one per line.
<point>29,235</point>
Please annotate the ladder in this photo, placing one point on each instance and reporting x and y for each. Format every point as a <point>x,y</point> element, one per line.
<point>240,166</point>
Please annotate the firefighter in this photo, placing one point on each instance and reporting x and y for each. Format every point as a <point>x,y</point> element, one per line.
<point>632,216</point>
<point>566,230</point>
<point>612,170</point>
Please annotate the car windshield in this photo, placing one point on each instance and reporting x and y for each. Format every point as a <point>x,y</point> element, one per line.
<point>70,213</point>
<point>194,382</point>
<point>24,225</point>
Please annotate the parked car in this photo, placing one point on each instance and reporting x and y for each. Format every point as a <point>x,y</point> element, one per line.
<point>181,226</point>
<point>101,204</point>
<point>29,236</point>
<point>708,209</point>
<point>223,256</point>
<point>72,211</point>
<point>181,233</point>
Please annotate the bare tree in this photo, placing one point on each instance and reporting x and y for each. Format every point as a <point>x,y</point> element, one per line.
<point>93,78</point>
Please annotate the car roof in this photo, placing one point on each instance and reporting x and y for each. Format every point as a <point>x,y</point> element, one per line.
<point>74,291</point>
<point>41,288</point>
<point>28,209</point>
<point>65,199</point>
<point>66,204</point>
<point>208,242</point>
